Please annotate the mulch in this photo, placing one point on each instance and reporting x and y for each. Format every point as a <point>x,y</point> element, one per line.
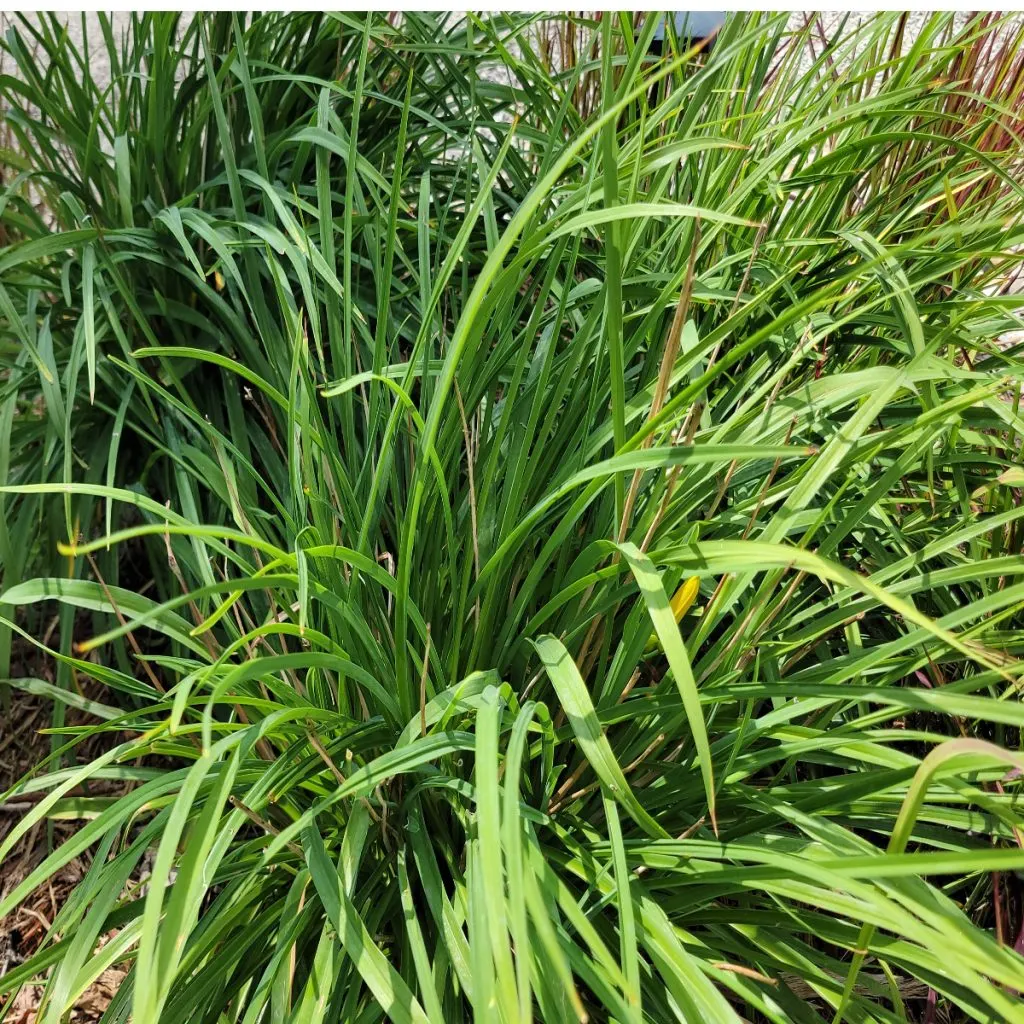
<point>23,745</point>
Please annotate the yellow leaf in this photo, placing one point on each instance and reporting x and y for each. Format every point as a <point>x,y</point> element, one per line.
<point>682,602</point>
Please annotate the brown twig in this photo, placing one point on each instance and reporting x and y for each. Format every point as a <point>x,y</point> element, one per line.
<point>120,618</point>
<point>263,823</point>
<point>339,777</point>
<point>668,362</point>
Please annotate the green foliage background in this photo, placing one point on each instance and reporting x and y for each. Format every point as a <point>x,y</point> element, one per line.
<point>382,378</point>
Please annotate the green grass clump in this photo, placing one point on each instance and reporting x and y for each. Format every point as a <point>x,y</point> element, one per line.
<point>381,392</point>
